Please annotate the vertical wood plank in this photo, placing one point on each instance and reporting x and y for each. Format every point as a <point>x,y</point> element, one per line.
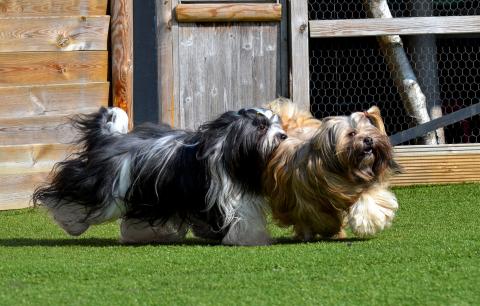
<point>176,103</point>
<point>283,56</point>
<point>225,67</point>
<point>165,61</point>
<point>300,92</point>
<point>122,55</point>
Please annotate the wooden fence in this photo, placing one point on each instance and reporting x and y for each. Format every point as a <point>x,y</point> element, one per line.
<point>53,63</point>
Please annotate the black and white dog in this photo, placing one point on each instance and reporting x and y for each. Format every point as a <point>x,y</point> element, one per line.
<point>162,181</point>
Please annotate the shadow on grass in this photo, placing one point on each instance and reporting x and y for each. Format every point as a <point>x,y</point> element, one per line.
<point>106,242</point>
<point>291,240</point>
<point>89,242</point>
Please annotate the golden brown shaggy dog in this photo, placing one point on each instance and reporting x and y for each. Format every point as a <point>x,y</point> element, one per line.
<point>332,172</point>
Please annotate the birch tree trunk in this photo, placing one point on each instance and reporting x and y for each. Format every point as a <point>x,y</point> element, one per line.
<point>391,46</point>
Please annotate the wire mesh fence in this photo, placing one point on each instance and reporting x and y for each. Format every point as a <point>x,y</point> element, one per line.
<point>354,9</point>
<point>351,74</point>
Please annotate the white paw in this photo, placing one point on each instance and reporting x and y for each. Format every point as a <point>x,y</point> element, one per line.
<point>372,213</point>
<point>118,122</point>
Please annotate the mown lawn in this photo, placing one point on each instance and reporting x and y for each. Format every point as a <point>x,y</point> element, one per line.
<point>431,256</point>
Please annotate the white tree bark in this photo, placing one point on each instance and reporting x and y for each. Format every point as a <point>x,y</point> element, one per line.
<point>412,96</point>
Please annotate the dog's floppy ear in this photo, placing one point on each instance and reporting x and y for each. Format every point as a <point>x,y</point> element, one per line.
<point>373,113</point>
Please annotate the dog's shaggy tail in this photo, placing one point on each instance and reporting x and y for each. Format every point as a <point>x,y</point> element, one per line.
<point>292,115</point>
<point>77,195</point>
<point>98,127</point>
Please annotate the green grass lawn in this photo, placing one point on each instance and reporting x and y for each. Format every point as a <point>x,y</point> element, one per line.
<point>430,256</point>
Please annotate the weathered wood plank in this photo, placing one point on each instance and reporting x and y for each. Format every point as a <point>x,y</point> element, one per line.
<point>122,55</point>
<point>300,83</point>
<point>234,1</point>
<point>53,33</point>
<point>432,149</point>
<point>225,67</point>
<point>37,129</point>
<point>29,68</point>
<point>165,61</point>
<point>394,26</point>
<point>32,156</point>
<point>439,164</point>
<point>57,99</point>
<point>228,12</point>
<point>52,7</point>
<point>16,189</point>
<point>24,167</point>
<point>176,102</point>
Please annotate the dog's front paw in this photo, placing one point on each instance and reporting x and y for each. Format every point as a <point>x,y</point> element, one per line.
<point>373,212</point>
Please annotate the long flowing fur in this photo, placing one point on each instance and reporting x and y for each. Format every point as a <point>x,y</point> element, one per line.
<point>161,181</point>
<point>330,173</point>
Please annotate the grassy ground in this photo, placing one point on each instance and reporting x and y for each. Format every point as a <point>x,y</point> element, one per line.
<point>431,256</point>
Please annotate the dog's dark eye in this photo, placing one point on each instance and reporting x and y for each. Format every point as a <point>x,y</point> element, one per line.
<point>262,127</point>
<point>352,134</point>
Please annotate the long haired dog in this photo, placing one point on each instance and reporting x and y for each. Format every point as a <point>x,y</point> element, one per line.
<point>331,172</point>
<point>162,181</point>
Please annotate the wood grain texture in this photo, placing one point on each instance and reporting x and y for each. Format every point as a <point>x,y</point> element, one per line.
<point>122,55</point>
<point>52,7</point>
<point>57,99</point>
<point>23,167</point>
<point>228,12</point>
<point>36,129</point>
<point>32,157</point>
<point>29,68</point>
<point>225,67</point>
<point>16,189</point>
<point>53,33</point>
<point>394,26</point>
<point>300,82</point>
<point>441,164</point>
<point>165,61</point>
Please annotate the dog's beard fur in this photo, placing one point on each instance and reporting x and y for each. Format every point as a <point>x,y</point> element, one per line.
<point>161,181</point>
<point>330,171</point>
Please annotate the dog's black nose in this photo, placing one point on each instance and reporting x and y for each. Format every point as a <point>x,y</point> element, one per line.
<point>282,136</point>
<point>368,141</point>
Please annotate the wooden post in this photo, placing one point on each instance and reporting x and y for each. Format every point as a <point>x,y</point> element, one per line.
<point>165,61</point>
<point>300,89</point>
<point>122,55</point>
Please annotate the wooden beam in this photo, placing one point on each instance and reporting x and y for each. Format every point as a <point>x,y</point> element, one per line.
<point>228,12</point>
<point>439,164</point>
<point>29,68</point>
<point>394,26</point>
<point>55,99</point>
<point>300,76</point>
<point>52,7</point>
<point>122,55</point>
<point>53,33</point>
